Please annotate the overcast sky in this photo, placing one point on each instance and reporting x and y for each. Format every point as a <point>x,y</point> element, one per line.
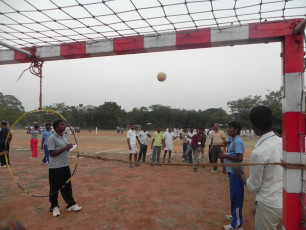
<point>196,79</point>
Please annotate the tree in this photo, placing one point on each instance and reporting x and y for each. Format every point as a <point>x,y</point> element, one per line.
<point>274,101</point>
<point>10,108</point>
<point>241,108</point>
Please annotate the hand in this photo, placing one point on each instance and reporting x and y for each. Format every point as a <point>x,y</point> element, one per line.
<point>151,146</point>
<point>69,146</point>
<point>130,148</point>
<point>42,147</point>
<point>222,156</point>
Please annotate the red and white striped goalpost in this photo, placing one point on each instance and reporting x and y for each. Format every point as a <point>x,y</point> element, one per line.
<point>293,117</point>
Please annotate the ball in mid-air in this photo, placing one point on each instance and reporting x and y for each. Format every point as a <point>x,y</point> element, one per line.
<point>161,76</point>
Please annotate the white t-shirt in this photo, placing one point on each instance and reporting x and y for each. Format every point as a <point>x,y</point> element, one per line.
<point>191,135</point>
<point>143,137</point>
<point>131,135</point>
<point>168,137</point>
<point>267,181</point>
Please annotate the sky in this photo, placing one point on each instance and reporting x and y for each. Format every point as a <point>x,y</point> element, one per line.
<point>196,79</point>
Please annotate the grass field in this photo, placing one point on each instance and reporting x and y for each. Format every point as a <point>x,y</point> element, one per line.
<point>114,196</point>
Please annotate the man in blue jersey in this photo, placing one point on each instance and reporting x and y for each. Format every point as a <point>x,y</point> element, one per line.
<point>234,155</point>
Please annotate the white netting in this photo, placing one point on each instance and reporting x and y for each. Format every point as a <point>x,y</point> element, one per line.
<point>27,23</point>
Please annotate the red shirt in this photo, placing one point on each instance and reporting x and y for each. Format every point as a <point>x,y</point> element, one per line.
<point>197,141</point>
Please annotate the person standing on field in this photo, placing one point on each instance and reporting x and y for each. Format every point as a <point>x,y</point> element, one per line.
<point>234,155</point>
<point>142,138</point>
<point>34,141</point>
<point>156,145</point>
<point>44,142</point>
<point>5,145</point>
<point>169,136</point>
<point>265,181</point>
<point>183,137</point>
<point>131,141</point>
<point>218,141</point>
<point>59,171</point>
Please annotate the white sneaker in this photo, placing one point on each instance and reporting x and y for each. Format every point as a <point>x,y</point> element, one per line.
<point>55,211</point>
<point>74,208</point>
<point>228,217</point>
<point>213,170</point>
<point>229,227</point>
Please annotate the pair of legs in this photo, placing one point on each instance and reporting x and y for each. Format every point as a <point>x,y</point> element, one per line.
<point>185,146</point>
<point>156,154</point>
<point>236,197</point>
<point>267,217</point>
<point>58,178</point>
<point>165,154</point>
<point>46,157</point>
<point>2,157</point>
<point>142,152</point>
<point>188,154</point>
<point>34,143</point>
<point>216,150</point>
<point>133,151</point>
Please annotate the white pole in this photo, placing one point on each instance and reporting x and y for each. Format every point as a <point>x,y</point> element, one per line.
<point>16,49</point>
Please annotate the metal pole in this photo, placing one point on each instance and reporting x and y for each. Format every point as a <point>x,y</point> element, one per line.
<point>16,49</point>
<point>300,27</point>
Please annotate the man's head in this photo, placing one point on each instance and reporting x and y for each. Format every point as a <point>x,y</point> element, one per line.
<point>144,128</point>
<point>216,127</point>
<point>3,124</point>
<point>185,129</point>
<point>170,129</point>
<point>158,128</point>
<point>48,126</point>
<point>199,131</point>
<point>35,126</point>
<point>59,125</point>
<point>132,126</point>
<point>191,130</point>
<point>233,128</point>
<point>261,118</point>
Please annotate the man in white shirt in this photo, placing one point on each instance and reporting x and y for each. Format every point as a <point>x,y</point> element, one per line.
<point>169,136</point>
<point>142,138</point>
<point>265,181</point>
<point>131,140</point>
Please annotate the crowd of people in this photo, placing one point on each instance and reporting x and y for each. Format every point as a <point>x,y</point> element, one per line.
<point>265,182</point>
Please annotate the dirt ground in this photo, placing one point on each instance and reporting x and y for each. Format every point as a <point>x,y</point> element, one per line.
<point>115,196</point>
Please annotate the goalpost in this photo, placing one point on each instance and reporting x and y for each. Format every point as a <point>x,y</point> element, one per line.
<point>288,32</point>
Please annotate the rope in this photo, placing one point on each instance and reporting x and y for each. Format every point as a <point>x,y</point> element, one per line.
<point>35,68</point>
<point>283,164</point>
<point>6,159</point>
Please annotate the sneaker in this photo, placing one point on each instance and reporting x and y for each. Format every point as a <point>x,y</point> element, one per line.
<point>137,164</point>
<point>55,211</point>
<point>213,170</point>
<point>228,217</point>
<point>75,208</point>
<point>3,166</point>
<point>229,227</point>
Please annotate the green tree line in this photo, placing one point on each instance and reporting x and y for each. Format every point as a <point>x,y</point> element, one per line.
<point>110,115</point>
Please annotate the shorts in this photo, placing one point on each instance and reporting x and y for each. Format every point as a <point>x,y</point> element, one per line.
<point>168,147</point>
<point>133,149</point>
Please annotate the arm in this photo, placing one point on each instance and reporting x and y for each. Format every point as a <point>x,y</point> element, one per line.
<point>128,142</point>
<point>138,139</point>
<point>149,135</point>
<point>237,158</point>
<point>54,153</point>
<point>152,143</point>
<point>42,143</point>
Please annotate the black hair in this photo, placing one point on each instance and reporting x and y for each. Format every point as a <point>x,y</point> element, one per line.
<point>36,126</point>
<point>3,123</point>
<point>47,124</point>
<point>235,125</point>
<point>56,123</point>
<point>261,118</point>
<point>131,124</point>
